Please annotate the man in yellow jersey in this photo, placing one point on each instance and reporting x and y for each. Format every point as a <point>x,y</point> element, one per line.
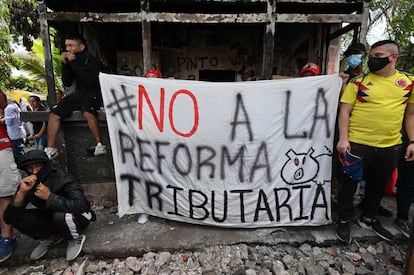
<point>370,119</point>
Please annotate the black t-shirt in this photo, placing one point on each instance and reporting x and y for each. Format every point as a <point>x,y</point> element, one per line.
<point>37,125</point>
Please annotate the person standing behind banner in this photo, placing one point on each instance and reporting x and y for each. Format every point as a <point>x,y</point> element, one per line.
<point>9,181</point>
<point>39,127</point>
<point>14,127</point>
<point>310,69</point>
<point>354,56</point>
<point>371,114</point>
<point>151,73</point>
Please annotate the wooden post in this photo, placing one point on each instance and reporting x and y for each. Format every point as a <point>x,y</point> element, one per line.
<point>146,36</point>
<point>44,33</point>
<point>314,38</point>
<point>269,42</point>
<point>364,22</point>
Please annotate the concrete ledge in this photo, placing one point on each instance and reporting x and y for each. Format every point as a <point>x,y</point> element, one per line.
<point>101,195</point>
<point>79,148</point>
<point>76,147</point>
<point>44,116</point>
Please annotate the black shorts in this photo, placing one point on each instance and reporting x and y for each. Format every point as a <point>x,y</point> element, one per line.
<point>73,102</point>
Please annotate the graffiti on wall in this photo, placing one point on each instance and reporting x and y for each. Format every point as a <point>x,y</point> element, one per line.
<point>186,65</point>
<point>130,63</point>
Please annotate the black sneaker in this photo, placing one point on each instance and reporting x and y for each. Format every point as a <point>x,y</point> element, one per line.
<point>375,225</point>
<point>403,226</point>
<point>384,212</point>
<point>343,232</point>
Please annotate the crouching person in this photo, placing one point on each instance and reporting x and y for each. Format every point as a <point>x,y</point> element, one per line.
<point>60,209</point>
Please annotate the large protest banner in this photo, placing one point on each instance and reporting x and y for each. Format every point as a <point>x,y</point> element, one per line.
<point>241,154</point>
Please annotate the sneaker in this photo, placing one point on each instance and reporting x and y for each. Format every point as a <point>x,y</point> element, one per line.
<point>100,150</point>
<point>75,247</point>
<point>42,248</point>
<point>143,218</point>
<point>382,211</point>
<point>404,227</point>
<point>51,152</point>
<point>7,246</point>
<point>375,225</point>
<point>343,232</point>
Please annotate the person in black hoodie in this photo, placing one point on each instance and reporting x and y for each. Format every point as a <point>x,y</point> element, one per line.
<point>60,209</point>
<point>79,67</point>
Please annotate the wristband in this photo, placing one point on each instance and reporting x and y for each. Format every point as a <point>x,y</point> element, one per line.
<point>411,142</point>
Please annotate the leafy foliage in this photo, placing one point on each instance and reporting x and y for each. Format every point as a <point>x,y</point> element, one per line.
<point>5,51</point>
<point>34,65</point>
<point>399,15</point>
<point>24,20</point>
<point>23,83</point>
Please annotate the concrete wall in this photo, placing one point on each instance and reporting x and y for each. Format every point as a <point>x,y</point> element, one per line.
<point>236,48</point>
<point>78,147</point>
<point>232,48</point>
<point>75,143</point>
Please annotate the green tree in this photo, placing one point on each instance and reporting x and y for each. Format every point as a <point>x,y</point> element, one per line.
<point>19,22</point>
<point>5,50</point>
<point>24,21</point>
<point>25,29</point>
<point>399,16</point>
<point>34,66</point>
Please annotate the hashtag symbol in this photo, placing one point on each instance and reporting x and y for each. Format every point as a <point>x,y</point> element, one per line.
<point>122,104</point>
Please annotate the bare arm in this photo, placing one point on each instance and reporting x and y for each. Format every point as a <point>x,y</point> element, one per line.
<point>345,78</point>
<point>42,130</point>
<point>409,127</point>
<point>343,124</point>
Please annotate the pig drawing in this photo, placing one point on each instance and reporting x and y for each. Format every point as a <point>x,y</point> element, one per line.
<point>304,167</point>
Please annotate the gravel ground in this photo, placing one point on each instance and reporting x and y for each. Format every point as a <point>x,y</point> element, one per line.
<point>356,258</point>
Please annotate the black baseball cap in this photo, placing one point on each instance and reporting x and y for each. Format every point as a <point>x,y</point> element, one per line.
<point>355,47</point>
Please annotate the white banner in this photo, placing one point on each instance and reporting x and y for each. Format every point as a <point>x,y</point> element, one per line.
<point>240,154</point>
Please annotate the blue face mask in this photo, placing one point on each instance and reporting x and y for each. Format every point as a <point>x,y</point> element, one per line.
<point>354,60</point>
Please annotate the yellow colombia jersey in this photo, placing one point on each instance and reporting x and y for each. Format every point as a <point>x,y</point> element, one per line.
<point>379,105</point>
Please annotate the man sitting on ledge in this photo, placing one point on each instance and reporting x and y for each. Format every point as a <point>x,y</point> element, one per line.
<point>81,68</point>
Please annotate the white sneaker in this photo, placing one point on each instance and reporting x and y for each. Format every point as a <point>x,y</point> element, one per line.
<point>143,218</point>
<point>42,248</point>
<point>51,152</point>
<point>100,150</point>
<point>75,247</point>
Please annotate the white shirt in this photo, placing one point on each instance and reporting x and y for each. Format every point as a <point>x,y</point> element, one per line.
<point>14,126</point>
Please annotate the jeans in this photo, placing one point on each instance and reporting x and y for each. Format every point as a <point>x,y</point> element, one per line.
<point>41,142</point>
<point>18,148</point>
<point>405,185</point>
<point>378,165</point>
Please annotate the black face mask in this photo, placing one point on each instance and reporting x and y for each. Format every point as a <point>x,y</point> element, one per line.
<point>377,63</point>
